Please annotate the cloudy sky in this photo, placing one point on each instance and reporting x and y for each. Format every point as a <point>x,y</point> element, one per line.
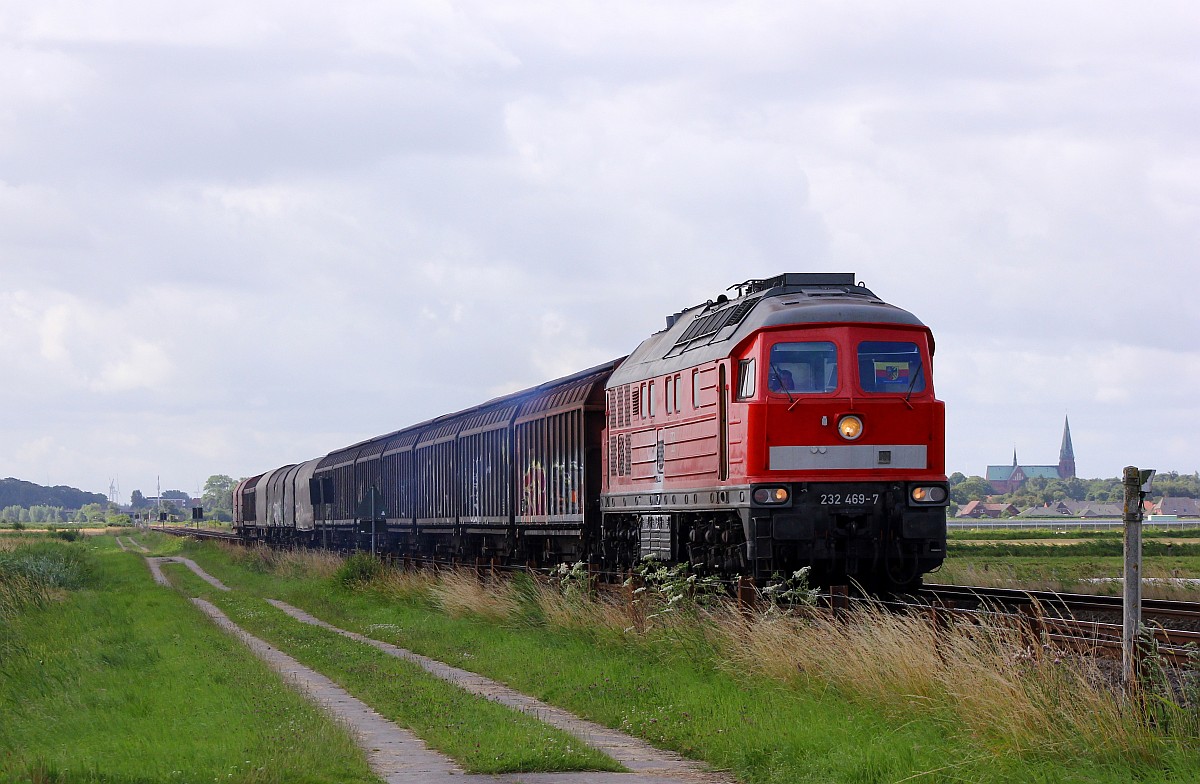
<point>237,234</point>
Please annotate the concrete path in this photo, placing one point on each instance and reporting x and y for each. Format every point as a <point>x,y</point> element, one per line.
<point>396,755</point>
<point>160,578</point>
<point>132,543</point>
<point>634,753</point>
<point>400,757</point>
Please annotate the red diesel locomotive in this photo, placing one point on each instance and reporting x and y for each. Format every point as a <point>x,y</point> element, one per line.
<point>794,424</point>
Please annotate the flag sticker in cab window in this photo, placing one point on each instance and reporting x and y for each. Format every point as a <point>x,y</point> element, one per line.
<point>891,371</point>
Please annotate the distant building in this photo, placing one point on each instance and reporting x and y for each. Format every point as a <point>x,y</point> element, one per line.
<point>977,509</point>
<point>1180,507</point>
<point>1071,508</point>
<point>1005,479</point>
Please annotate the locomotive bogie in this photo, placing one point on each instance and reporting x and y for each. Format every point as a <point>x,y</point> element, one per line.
<point>711,540</point>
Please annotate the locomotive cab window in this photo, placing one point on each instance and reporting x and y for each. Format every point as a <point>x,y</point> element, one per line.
<point>745,388</point>
<point>890,367</point>
<point>805,368</point>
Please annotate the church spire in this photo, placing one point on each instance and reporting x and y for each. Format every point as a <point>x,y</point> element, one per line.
<point>1066,453</point>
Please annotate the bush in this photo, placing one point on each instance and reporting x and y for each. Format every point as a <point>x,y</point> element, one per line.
<point>49,569</point>
<point>357,569</point>
<point>666,589</point>
<point>30,572</point>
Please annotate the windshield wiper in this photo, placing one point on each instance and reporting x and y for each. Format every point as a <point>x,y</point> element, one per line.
<point>913,382</point>
<point>782,386</point>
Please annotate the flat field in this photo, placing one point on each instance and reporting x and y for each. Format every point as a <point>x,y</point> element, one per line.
<point>115,679</point>
<point>1072,561</point>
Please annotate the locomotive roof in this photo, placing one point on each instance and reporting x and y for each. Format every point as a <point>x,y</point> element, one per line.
<point>708,332</point>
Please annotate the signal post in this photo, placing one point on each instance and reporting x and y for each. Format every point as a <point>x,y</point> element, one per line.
<point>1137,484</point>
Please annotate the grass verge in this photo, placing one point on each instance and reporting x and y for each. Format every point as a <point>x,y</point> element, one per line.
<point>774,701</point>
<point>115,679</point>
<point>485,737</point>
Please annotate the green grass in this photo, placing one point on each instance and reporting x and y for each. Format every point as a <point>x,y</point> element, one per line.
<point>1031,558</point>
<point>1063,532</point>
<point>1067,573</point>
<point>677,690</point>
<point>485,737</point>
<point>1096,548</point>
<point>116,679</point>
<point>675,686</point>
<point>762,732</point>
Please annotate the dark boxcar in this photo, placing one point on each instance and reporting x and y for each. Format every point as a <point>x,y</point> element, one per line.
<point>335,508</point>
<point>511,479</point>
<point>245,517</point>
<point>485,466</point>
<point>436,463</point>
<point>557,470</point>
<point>398,489</point>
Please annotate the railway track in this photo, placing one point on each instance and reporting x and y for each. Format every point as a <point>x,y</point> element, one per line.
<point>199,533</point>
<point>1080,621</point>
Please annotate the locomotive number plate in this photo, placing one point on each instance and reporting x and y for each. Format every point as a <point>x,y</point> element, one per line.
<point>849,499</point>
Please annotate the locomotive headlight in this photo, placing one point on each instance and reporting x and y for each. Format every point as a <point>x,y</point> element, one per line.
<point>850,427</point>
<point>771,495</point>
<point>934,494</point>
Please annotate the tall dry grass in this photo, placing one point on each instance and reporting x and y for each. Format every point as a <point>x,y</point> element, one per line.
<point>533,598</point>
<point>321,564</point>
<point>460,592</point>
<point>578,609</point>
<point>1012,693</point>
<point>989,679</point>
<point>406,585</point>
<point>992,680</point>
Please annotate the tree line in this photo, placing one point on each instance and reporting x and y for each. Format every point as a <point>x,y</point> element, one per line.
<point>1040,492</point>
<point>17,492</point>
<point>25,502</point>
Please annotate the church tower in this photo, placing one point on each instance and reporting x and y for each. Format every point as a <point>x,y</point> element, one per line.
<point>1066,453</point>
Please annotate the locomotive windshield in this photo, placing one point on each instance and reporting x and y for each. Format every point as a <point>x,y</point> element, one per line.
<point>890,367</point>
<point>803,367</point>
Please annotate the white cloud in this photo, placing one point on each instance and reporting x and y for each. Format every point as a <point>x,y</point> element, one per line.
<point>234,235</point>
<point>1118,397</point>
